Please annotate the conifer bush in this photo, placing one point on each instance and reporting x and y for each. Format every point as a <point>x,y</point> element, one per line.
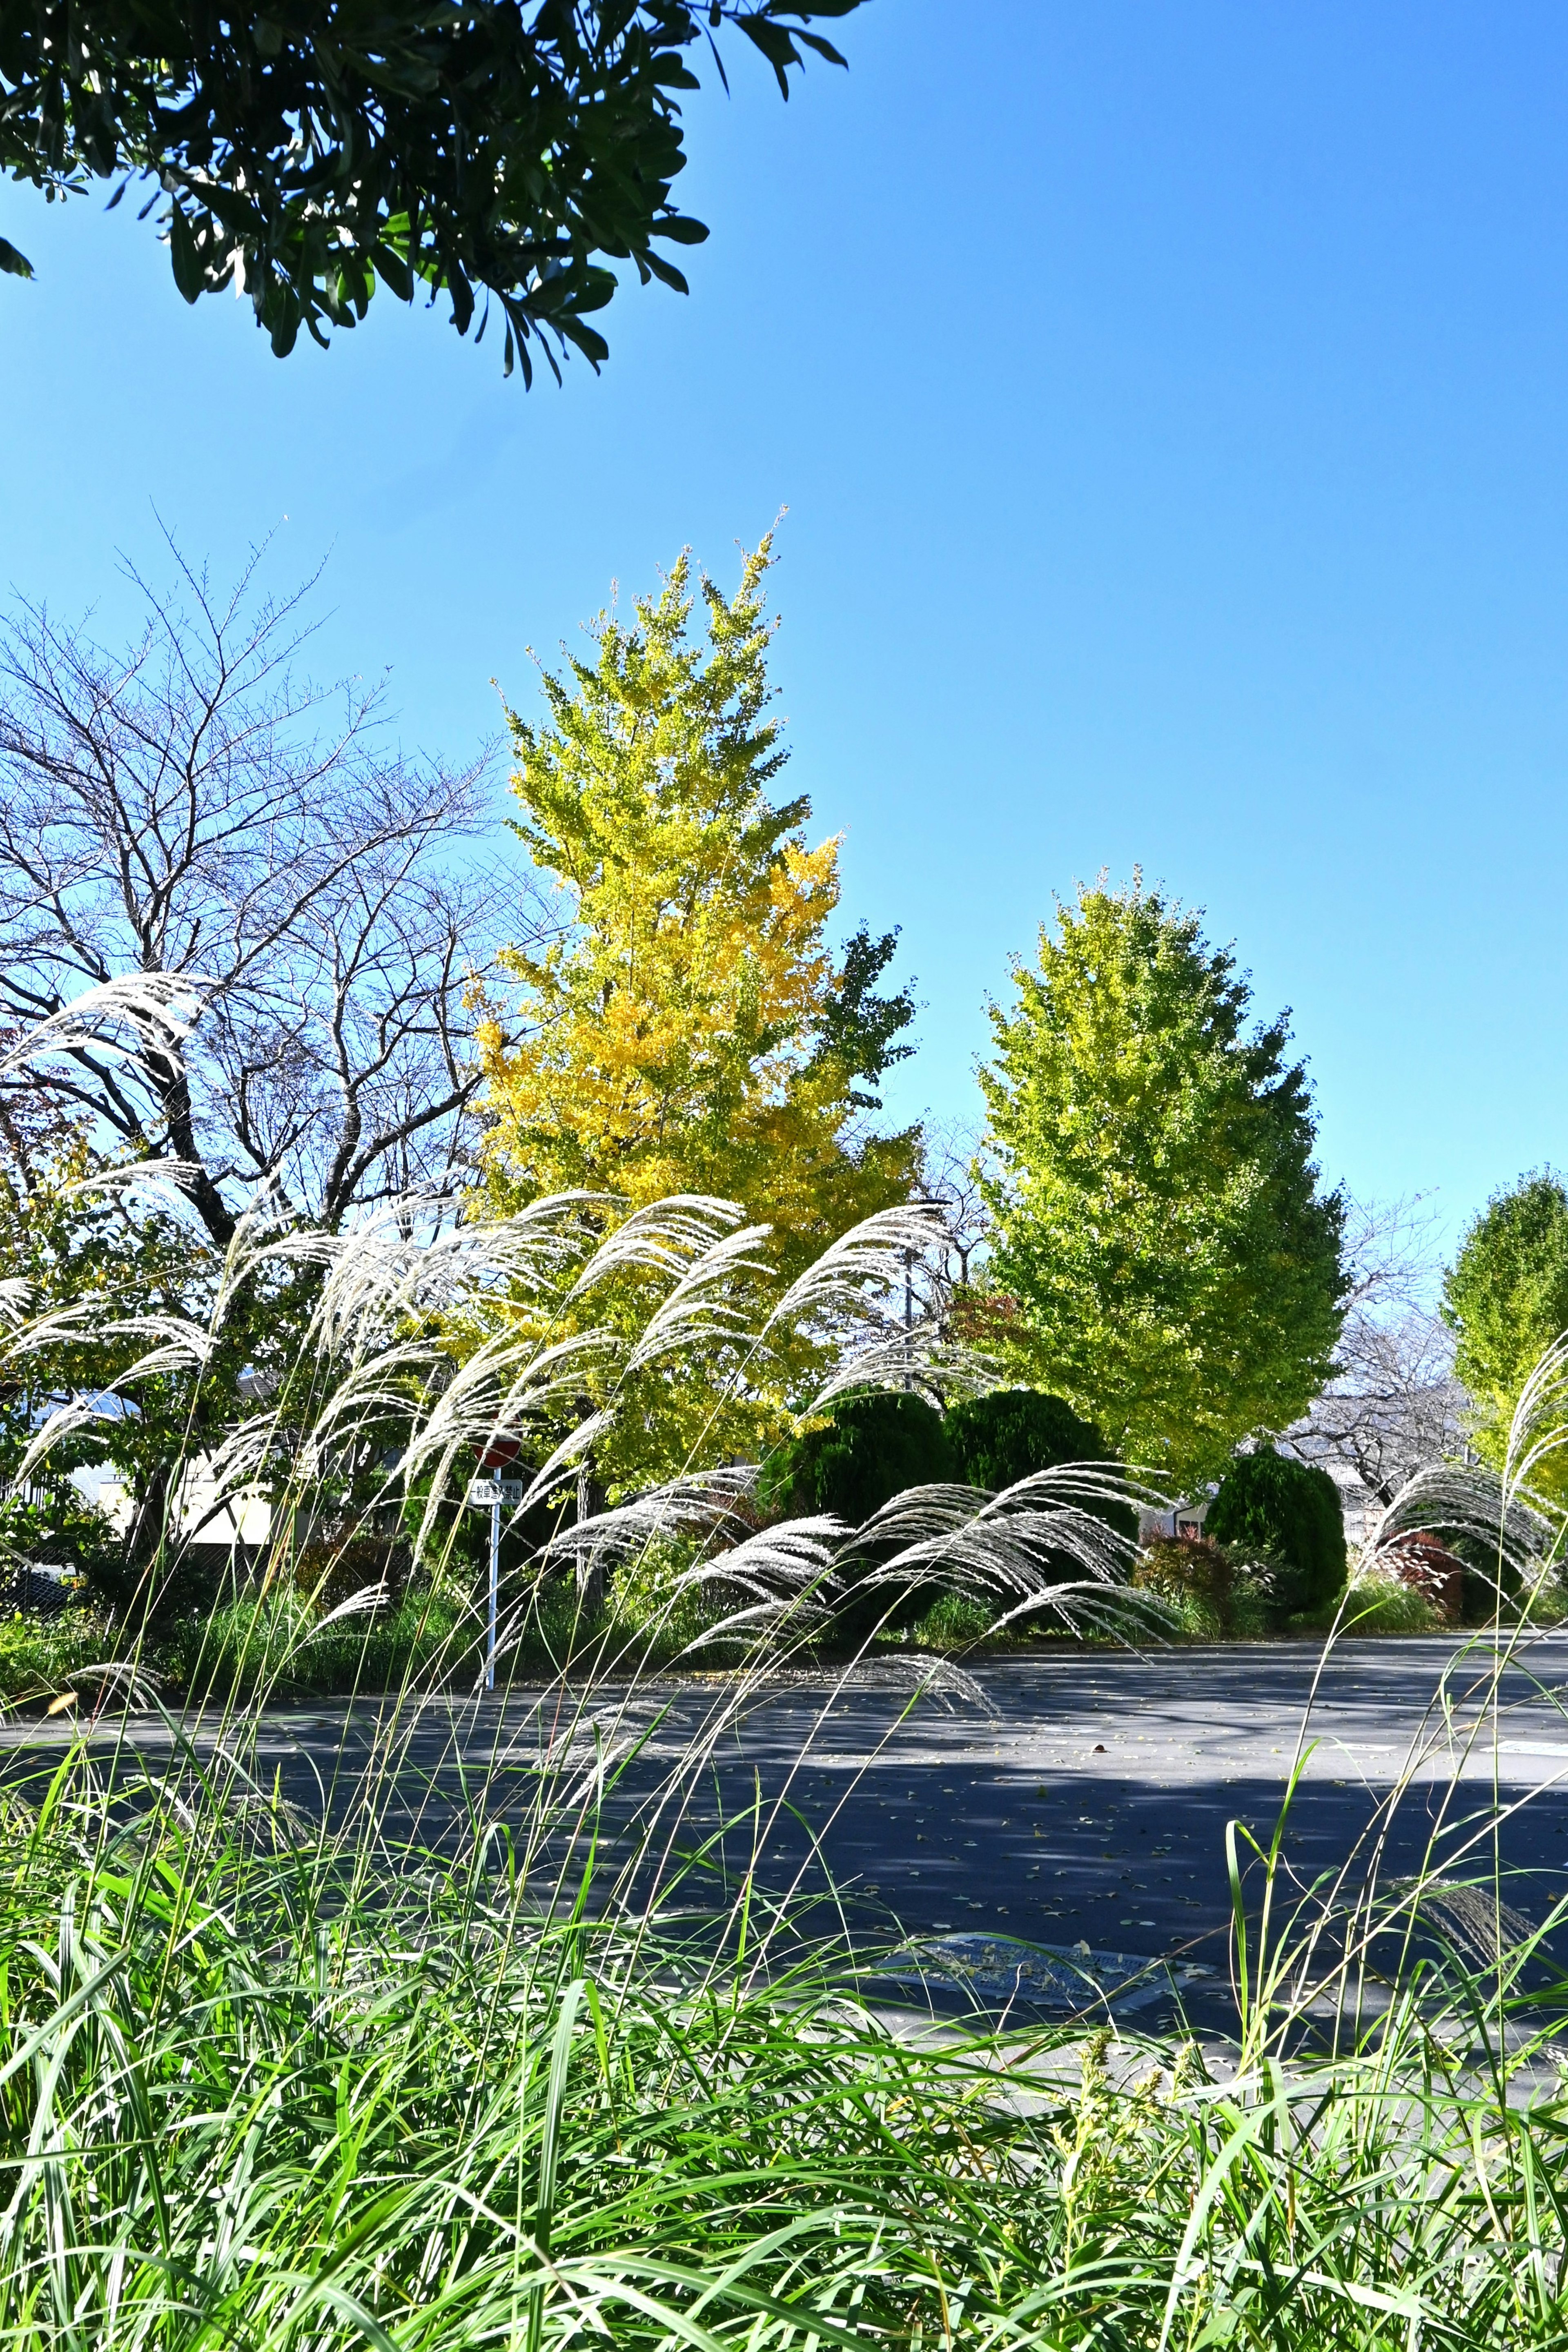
<point>1288,1514</point>
<point>872,1448</point>
<point>1009,1433</point>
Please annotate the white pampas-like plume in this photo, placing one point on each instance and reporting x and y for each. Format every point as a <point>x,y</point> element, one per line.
<point>780,1572</point>
<point>132,1681</point>
<point>506,1386</point>
<point>931,1678</point>
<point>362,1603</point>
<point>78,1412</point>
<point>159,1007</point>
<point>1539,1426</point>
<point>870,1256</point>
<point>1514,1530</point>
<point>382,1268</point>
<point>1011,1548</point>
<point>697,1504</point>
<point>241,1459</point>
<point>501,1392</point>
<point>365,1396</point>
<point>919,1356</point>
<point>694,1313</point>
<point>82,1320</point>
<point>665,1238</point>
<point>61,1423</point>
<point>163,1177</point>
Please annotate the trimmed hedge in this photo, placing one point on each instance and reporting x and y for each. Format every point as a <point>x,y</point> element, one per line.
<point>1290,1513</point>
<point>998,1439</point>
<point>871,1450</point>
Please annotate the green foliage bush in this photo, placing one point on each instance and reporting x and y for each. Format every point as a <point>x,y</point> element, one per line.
<point>1010,1433</point>
<point>1288,1515</point>
<point>1213,1595</point>
<point>873,1448</point>
<point>653,1611</point>
<point>56,1527</point>
<point>42,1657</point>
<point>954,1621</point>
<point>1384,1605</point>
<point>276,1642</point>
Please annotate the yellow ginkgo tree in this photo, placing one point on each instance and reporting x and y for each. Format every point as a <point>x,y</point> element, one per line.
<point>690,1028</point>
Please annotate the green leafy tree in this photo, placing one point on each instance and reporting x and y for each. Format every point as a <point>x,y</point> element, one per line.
<point>1163,1256</point>
<point>307,151</point>
<point>1505,1298</point>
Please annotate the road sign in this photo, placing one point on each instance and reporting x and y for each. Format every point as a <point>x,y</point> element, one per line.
<point>489,1492</point>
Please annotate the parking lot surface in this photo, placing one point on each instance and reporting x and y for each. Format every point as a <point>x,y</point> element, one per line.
<point>1061,1797</point>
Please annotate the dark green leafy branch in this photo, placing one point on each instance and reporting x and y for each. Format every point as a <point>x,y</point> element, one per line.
<point>497,151</point>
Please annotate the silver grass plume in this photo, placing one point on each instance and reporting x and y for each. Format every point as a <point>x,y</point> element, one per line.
<point>159,1008</point>
<point>1516,1532</point>
<point>862,1264</point>
<point>665,1238</point>
<point>1008,1550</point>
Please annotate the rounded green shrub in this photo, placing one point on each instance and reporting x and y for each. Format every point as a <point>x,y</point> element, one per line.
<point>1288,1513</point>
<point>873,1448</point>
<point>1012,1433</point>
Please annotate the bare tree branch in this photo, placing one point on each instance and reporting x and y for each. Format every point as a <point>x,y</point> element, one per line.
<point>951,1160</point>
<point>192,807</point>
<point>1394,1407</point>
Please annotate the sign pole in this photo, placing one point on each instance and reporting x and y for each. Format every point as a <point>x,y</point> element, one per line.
<point>494,1495</point>
<point>495,1591</point>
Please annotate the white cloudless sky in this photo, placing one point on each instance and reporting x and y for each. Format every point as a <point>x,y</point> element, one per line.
<point>1169,405</point>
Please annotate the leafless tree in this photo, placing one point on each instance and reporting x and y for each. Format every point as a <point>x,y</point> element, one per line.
<point>950,1153</point>
<point>190,811</point>
<point>951,1158</point>
<point>1395,1406</point>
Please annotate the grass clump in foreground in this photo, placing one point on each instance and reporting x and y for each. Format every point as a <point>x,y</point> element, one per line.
<point>263,2089</point>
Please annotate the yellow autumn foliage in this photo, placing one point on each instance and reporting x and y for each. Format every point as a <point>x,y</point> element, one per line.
<point>689,1028</point>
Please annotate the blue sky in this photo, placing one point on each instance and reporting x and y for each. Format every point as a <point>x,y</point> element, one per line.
<point>1169,401</point>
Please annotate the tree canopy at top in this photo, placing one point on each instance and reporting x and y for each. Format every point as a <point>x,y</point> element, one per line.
<point>1164,1257</point>
<point>310,148</point>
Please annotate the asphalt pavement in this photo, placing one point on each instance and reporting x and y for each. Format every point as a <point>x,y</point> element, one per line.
<point>1068,1796</point>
